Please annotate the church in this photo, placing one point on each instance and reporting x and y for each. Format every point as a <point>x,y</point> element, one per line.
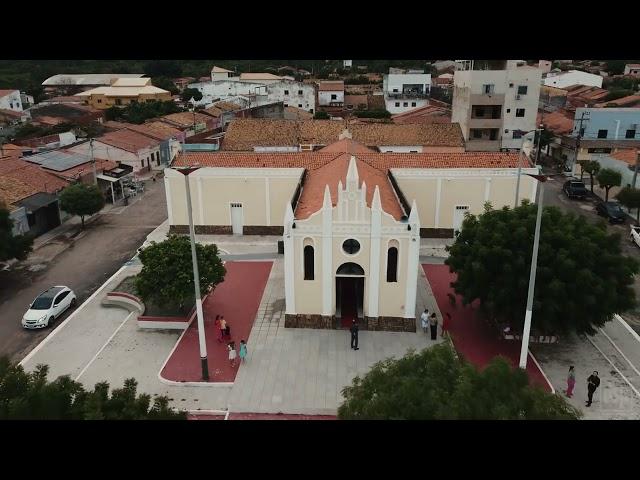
<point>351,218</point>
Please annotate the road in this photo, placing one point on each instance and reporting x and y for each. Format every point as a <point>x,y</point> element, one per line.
<point>553,195</point>
<point>110,241</point>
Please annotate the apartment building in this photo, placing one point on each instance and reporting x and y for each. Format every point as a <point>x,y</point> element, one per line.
<point>494,101</point>
<point>406,91</point>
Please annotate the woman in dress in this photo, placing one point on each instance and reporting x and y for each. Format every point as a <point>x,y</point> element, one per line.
<point>243,351</point>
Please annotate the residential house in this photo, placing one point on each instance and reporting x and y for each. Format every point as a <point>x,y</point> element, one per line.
<point>124,146</point>
<point>572,77</point>
<point>11,100</point>
<point>626,102</point>
<point>168,136</point>
<point>66,84</point>
<point>584,96</point>
<point>405,91</point>
<point>331,94</point>
<point>31,194</point>
<point>191,123</point>
<point>124,91</point>
<point>494,101</point>
<point>48,142</point>
<point>309,135</point>
<point>632,69</point>
<point>55,113</point>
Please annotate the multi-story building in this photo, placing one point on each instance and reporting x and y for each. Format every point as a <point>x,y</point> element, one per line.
<point>406,91</point>
<point>494,102</point>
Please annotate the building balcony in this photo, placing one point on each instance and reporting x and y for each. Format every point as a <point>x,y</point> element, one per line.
<point>400,95</point>
<point>485,122</point>
<point>487,99</point>
<point>482,145</point>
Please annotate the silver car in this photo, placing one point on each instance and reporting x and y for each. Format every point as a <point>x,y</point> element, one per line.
<point>48,306</point>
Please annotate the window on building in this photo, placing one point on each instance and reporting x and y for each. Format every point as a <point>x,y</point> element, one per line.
<point>334,96</point>
<point>395,90</point>
<point>405,104</point>
<point>299,105</point>
<point>397,104</point>
<point>299,92</point>
<point>413,151</point>
<point>493,134</point>
<point>286,104</point>
<point>10,104</point>
<point>511,85</point>
<point>142,163</point>
<point>602,133</point>
<point>308,263</point>
<point>351,246</point>
<point>475,133</point>
<point>413,104</point>
<point>487,89</point>
<point>508,110</point>
<point>286,92</point>
<point>479,112</point>
<point>522,89</point>
<point>311,110</point>
<point>516,134</point>
<point>99,100</point>
<point>392,264</point>
<point>630,134</point>
<point>519,112</point>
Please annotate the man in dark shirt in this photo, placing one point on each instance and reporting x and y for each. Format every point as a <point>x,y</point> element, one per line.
<point>354,335</point>
<point>593,382</point>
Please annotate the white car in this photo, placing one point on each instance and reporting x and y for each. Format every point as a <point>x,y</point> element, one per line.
<point>635,235</point>
<point>48,306</point>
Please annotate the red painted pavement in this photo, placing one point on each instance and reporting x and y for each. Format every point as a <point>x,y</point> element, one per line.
<point>238,299</point>
<point>477,341</point>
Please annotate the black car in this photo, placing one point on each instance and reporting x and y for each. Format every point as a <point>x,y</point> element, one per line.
<point>575,189</point>
<point>612,211</point>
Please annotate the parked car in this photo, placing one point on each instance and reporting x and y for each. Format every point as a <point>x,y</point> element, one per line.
<point>635,234</point>
<point>575,189</point>
<point>612,211</point>
<point>48,306</point>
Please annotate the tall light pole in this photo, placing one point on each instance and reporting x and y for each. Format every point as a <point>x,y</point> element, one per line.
<point>524,134</point>
<point>196,274</point>
<point>524,350</point>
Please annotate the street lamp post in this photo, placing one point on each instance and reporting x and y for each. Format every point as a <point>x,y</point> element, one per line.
<point>196,274</point>
<point>524,134</point>
<point>524,350</point>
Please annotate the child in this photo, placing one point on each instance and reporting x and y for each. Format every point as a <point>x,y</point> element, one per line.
<point>232,353</point>
<point>243,351</point>
<point>223,327</point>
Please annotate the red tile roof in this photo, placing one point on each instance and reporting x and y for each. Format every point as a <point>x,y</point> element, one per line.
<point>628,101</point>
<point>12,190</point>
<point>331,86</point>
<point>4,93</point>
<point>128,140</point>
<point>31,175</point>
<point>627,155</point>
<point>427,114</point>
<point>559,122</point>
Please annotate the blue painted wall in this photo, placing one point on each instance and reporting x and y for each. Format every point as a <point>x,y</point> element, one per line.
<point>609,119</point>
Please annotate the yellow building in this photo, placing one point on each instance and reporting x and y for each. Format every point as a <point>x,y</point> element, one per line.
<point>124,91</point>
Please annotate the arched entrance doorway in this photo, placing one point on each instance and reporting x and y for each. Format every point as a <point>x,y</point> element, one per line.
<point>349,293</point>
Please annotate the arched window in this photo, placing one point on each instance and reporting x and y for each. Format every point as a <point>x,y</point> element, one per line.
<point>392,264</point>
<point>308,263</point>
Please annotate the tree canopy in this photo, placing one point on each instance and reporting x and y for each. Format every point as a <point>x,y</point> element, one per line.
<point>434,385</point>
<point>141,111</point>
<point>630,198</point>
<point>582,277</point>
<point>320,115</point>
<point>166,84</point>
<point>608,178</point>
<point>591,167</point>
<point>80,199</point>
<point>12,246</point>
<point>189,93</point>
<point>29,396</point>
<point>167,273</point>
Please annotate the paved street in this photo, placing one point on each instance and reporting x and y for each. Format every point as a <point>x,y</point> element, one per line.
<point>110,240</point>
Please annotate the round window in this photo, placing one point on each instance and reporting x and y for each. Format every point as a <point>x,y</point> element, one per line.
<point>351,246</point>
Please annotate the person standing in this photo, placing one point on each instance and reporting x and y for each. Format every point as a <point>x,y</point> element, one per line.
<point>354,334</point>
<point>243,351</point>
<point>218,328</point>
<point>593,382</point>
<point>446,321</point>
<point>571,381</point>
<point>232,353</point>
<point>433,323</point>
<point>223,326</point>
<point>424,320</point>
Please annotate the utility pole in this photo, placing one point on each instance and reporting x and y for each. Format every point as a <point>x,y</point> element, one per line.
<point>93,162</point>
<point>575,161</point>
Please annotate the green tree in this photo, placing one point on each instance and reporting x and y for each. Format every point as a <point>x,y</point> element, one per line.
<point>163,68</point>
<point>434,385</point>
<point>166,84</point>
<point>30,396</point>
<point>582,278</point>
<point>608,178</point>
<point>80,199</point>
<point>11,246</point>
<point>373,114</point>
<point>139,112</point>
<point>591,167</point>
<point>189,93</point>
<point>319,115</point>
<point>167,273</point>
<point>618,93</point>
<point>615,67</point>
<point>630,198</point>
